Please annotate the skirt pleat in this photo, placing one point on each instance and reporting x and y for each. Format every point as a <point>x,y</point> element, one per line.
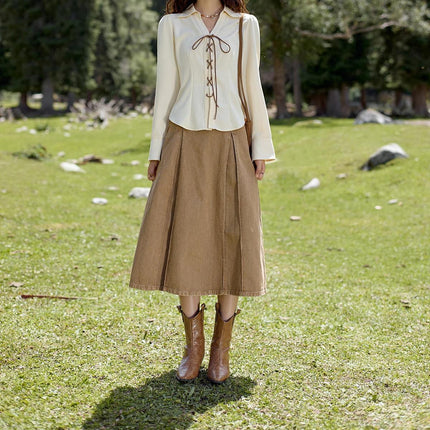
<point>201,232</point>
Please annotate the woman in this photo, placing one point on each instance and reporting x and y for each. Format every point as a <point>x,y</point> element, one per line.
<point>201,232</point>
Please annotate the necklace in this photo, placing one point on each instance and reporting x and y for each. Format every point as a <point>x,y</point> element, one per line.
<point>212,16</point>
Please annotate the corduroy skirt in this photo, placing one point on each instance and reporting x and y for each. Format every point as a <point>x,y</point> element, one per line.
<point>201,232</point>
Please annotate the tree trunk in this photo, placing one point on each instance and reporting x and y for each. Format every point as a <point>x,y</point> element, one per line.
<point>319,100</point>
<point>419,100</point>
<point>70,101</point>
<point>344,101</point>
<point>363,98</point>
<point>402,104</point>
<point>398,97</point>
<point>48,95</point>
<point>279,86</point>
<point>133,98</point>
<point>334,105</point>
<point>279,68</point>
<point>23,102</point>
<point>297,87</point>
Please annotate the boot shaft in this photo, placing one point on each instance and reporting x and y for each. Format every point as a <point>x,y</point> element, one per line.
<point>195,345</point>
<point>219,363</point>
<point>223,329</point>
<point>194,332</point>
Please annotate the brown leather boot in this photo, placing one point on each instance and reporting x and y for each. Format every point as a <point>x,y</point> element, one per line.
<point>218,369</point>
<point>195,349</point>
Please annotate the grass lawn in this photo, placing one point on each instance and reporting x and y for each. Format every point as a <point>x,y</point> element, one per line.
<point>340,341</point>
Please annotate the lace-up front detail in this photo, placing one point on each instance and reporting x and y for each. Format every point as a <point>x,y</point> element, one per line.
<point>194,84</point>
<point>211,78</point>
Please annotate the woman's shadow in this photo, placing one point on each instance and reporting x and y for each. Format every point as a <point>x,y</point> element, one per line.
<point>165,403</point>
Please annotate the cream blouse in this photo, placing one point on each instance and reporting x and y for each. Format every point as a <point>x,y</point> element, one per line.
<point>196,84</point>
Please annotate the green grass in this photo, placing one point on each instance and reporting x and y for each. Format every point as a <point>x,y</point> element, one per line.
<point>341,339</point>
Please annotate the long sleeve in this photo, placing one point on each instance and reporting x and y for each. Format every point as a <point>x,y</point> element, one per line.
<point>262,144</point>
<point>166,87</point>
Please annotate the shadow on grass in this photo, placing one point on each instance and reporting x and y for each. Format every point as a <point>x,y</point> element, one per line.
<point>165,403</point>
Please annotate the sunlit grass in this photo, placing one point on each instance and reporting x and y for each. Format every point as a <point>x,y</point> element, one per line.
<point>340,340</point>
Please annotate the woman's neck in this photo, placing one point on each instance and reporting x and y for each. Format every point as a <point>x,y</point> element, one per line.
<point>208,7</point>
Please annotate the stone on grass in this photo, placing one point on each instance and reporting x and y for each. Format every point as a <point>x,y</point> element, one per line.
<point>139,192</point>
<point>393,202</point>
<point>313,183</point>
<point>16,284</point>
<point>295,218</point>
<point>99,201</point>
<point>384,155</point>
<point>138,176</point>
<point>341,176</point>
<point>90,158</point>
<point>369,116</point>
<point>71,167</point>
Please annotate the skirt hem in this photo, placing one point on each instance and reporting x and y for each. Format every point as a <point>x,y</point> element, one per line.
<point>201,293</point>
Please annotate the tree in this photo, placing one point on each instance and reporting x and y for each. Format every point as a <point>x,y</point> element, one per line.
<point>49,44</point>
<point>281,41</point>
<point>5,67</point>
<point>404,66</point>
<point>124,64</point>
<point>286,24</point>
<point>340,65</point>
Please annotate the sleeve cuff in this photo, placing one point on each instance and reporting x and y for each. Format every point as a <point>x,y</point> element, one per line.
<point>155,150</point>
<point>263,150</point>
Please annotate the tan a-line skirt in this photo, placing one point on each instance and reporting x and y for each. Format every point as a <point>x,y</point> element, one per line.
<point>201,232</point>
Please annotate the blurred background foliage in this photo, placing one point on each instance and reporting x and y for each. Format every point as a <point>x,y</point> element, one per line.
<point>321,57</point>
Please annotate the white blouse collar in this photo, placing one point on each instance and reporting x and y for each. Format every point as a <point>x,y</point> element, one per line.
<point>191,9</point>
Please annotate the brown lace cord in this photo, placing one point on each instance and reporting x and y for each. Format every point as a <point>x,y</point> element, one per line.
<point>212,69</point>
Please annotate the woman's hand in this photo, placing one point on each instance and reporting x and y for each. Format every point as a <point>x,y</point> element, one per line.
<point>152,169</point>
<point>260,167</point>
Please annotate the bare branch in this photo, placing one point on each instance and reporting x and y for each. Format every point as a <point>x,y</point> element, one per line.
<point>349,32</point>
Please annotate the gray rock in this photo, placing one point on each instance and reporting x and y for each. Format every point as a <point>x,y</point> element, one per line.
<point>139,192</point>
<point>384,155</point>
<point>369,116</point>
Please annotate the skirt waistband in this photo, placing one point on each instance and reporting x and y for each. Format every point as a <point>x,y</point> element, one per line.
<point>235,131</point>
